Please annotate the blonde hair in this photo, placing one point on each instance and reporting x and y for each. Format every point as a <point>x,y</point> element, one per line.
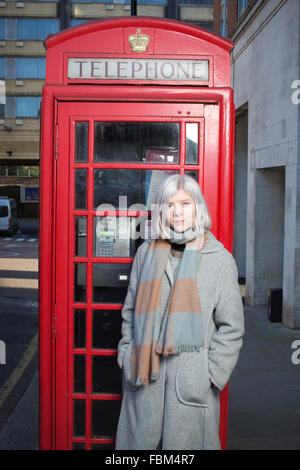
<point>166,190</point>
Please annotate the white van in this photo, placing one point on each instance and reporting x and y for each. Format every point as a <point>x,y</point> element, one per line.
<point>8,214</point>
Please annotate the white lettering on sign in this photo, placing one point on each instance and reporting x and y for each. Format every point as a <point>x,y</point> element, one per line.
<point>141,69</point>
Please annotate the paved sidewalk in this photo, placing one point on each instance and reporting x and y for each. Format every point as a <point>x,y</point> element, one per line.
<point>21,429</point>
<point>264,405</point>
<point>264,391</point>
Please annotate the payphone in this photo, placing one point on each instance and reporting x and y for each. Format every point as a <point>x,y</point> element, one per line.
<point>111,240</point>
<point>126,103</point>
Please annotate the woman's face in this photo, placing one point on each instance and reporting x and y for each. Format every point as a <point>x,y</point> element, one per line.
<point>181,211</point>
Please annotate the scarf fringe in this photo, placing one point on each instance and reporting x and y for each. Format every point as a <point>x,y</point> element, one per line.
<point>141,382</point>
<point>175,351</point>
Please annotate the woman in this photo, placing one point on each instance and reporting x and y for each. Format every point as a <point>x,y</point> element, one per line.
<point>182,327</point>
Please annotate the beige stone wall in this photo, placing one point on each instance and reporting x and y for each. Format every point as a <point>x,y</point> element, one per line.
<point>22,138</point>
<point>93,10</point>
<point>196,13</point>
<point>22,49</point>
<point>23,87</point>
<point>17,181</point>
<point>28,9</point>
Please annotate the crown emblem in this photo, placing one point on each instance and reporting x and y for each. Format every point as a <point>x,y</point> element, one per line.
<point>138,42</point>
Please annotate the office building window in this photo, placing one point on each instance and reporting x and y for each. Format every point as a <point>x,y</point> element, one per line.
<point>28,106</point>
<point>2,29</point>
<point>242,5</point>
<point>158,2</point>
<point>223,19</point>
<point>31,68</point>
<point>10,107</point>
<point>36,29</point>
<point>10,64</point>
<point>2,67</point>
<point>77,22</point>
<point>205,3</point>
<point>208,25</point>
<point>124,2</point>
<point>2,91</point>
<point>95,1</point>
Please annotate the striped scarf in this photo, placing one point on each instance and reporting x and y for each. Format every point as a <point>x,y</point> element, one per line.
<point>180,327</point>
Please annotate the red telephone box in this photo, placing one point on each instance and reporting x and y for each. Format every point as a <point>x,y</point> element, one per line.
<point>127,101</point>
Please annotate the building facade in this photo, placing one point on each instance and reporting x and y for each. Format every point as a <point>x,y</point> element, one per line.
<point>23,27</point>
<point>265,74</point>
<point>265,67</point>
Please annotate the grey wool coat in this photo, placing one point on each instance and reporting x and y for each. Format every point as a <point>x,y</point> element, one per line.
<point>181,410</point>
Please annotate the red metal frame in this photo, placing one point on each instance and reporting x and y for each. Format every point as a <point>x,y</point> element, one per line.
<point>56,251</point>
<point>137,112</point>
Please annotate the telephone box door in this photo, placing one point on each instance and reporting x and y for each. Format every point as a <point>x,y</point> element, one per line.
<point>110,159</point>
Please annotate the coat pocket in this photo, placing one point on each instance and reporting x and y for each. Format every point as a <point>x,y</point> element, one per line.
<point>192,379</point>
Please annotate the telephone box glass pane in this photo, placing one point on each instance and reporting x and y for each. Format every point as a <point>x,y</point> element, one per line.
<point>111,236</point>
<point>78,446</point>
<point>79,373</point>
<point>105,416</point>
<point>81,142</point>
<point>106,328</point>
<point>125,189</point>
<point>102,447</point>
<point>192,135</point>
<point>80,188</point>
<point>107,377</point>
<point>79,417</point>
<point>139,142</point>
<point>80,235</point>
<point>110,282</point>
<point>192,174</point>
<point>80,282</point>
<point>79,328</point>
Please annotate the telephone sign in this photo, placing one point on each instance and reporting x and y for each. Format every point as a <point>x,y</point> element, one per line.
<point>142,69</point>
